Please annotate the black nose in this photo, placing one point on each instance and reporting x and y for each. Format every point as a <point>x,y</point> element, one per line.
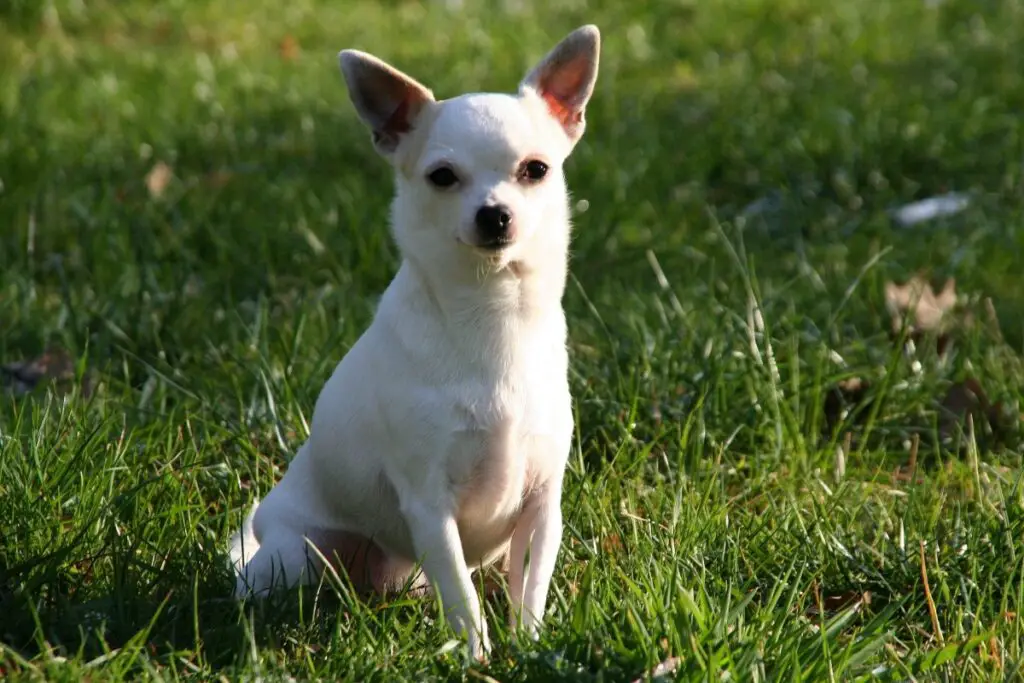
<point>494,225</point>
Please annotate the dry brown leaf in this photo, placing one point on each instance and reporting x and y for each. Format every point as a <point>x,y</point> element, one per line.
<point>54,365</point>
<point>916,300</point>
<point>995,652</point>
<point>917,306</point>
<point>839,602</point>
<point>158,178</point>
<point>289,48</point>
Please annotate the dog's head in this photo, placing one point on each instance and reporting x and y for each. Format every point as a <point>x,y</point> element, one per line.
<point>479,176</point>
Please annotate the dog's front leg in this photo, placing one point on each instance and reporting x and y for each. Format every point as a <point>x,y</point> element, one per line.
<point>540,530</point>
<point>435,535</point>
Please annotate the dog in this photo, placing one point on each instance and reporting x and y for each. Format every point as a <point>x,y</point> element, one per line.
<point>439,444</point>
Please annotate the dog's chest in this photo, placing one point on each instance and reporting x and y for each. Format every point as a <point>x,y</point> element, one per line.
<point>506,423</point>
<point>493,470</point>
<point>490,459</point>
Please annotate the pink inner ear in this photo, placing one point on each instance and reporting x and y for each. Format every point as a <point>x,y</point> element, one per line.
<point>563,114</point>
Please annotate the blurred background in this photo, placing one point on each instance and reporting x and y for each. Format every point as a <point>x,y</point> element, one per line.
<point>151,149</point>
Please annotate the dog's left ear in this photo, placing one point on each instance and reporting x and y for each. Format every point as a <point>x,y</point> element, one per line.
<point>565,78</point>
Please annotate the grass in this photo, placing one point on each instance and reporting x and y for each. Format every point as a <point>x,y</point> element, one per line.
<point>710,523</point>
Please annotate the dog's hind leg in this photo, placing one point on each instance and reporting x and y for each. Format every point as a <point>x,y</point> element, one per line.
<point>243,545</point>
<point>284,559</point>
<point>369,567</point>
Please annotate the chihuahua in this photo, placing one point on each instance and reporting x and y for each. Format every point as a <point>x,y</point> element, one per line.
<point>439,444</point>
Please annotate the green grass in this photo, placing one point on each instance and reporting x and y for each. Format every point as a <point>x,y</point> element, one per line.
<point>705,516</point>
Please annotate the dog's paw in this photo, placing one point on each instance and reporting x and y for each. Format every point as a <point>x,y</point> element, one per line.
<point>480,645</point>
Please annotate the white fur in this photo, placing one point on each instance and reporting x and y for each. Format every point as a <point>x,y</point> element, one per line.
<point>443,434</point>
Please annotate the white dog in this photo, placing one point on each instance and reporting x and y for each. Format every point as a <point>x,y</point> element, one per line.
<point>442,437</point>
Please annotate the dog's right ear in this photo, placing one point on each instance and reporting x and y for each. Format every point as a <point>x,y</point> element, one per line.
<point>386,99</point>
<point>565,78</point>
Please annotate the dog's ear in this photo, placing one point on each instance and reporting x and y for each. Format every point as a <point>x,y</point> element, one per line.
<point>565,78</point>
<point>386,99</point>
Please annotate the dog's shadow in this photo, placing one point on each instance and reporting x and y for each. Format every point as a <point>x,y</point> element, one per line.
<point>187,613</point>
<point>323,615</point>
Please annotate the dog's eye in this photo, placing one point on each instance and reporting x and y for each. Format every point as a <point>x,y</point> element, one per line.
<point>442,177</point>
<point>533,170</point>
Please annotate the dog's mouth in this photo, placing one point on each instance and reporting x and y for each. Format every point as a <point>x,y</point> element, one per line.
<point>496,244</point>
<point>495,255</point>
<point>489,248</point>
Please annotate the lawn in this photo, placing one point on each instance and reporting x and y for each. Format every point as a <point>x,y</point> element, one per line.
<point>770,481</point>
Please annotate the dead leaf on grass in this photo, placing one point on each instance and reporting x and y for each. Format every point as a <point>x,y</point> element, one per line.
<point>54,365</point>
<point>833,604</point>
<point>995,652</point>
<point>158,178</point>
<point>917,297</point>
<point>916,306</point>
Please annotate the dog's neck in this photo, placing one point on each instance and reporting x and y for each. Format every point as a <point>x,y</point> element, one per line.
<point>482,294</point>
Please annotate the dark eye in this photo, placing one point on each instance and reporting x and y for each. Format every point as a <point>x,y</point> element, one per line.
<point>533,170</point>
<point>442,177</point>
